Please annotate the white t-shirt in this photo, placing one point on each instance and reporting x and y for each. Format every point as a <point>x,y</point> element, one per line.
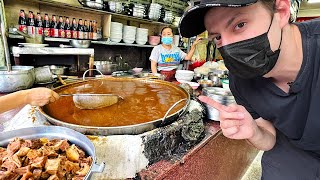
<point>167,59</point>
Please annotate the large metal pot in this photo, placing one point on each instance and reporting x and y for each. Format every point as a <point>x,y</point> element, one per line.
<point>119,110</point>
<point>21,77</point>
<point>55,132</point>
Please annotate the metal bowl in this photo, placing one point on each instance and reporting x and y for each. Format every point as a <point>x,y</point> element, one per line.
<point>58,70</point>
<point>80,43</point>
<point>56,132</point>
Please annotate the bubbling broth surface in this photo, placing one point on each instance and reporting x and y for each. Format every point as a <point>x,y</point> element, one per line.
<point>144,101</point>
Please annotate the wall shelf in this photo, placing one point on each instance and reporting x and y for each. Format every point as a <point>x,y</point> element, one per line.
<point>109,43</point>
<point>96,11</point>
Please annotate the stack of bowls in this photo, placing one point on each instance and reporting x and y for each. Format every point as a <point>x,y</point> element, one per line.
<point>168,17</point>
<point>176,21</point>
<point>116,32</point>
<point>138,10</point>
<point>129,34</point>
<point>154,40</point>
<point>184,75</point>
<point>142,36</point>
<point>154,11</point>
<point>115,6</point>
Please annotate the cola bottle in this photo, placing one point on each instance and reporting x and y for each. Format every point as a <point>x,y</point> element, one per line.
<point>46,26</point>
<point>86,30</point>
<point>74,31</point>
<point>22,22</point>
<point>61,32</point>
<point>31,25</point>
<point>39,24</point>
<point>67,28</point>
<point>80,29</point>
<point>54,27</point>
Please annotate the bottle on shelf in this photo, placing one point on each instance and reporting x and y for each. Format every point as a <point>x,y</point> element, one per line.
<point>80,29</point>
<point>39,24</point>
<point>31,24</point>
<point>67,28</point>
<point>74,31</point>
<point>86,30</point>
<point>46,26</point>
<point>22,22</point>
<point>90,30</point>
<point>54,27</point>
<point>61,32</point>
<point>94,30</point>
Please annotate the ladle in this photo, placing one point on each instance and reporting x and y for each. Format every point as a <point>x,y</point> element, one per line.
<point>93,101</point>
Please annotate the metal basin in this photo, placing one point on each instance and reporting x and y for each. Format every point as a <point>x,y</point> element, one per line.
<point>55,132</point>
<point>21,77</point>
<point>144,104</point>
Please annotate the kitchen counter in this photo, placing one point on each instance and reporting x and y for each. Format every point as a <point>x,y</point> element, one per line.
<point>215,157</point>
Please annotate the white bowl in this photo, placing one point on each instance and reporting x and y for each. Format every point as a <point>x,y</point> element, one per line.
<point>137,70</point>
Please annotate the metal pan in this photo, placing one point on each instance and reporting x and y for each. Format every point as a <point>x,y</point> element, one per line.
<point>56,132</point>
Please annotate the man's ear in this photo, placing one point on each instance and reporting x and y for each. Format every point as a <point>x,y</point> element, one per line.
<point>283,10</point>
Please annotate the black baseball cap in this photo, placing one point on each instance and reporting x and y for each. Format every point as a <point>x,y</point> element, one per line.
<point>192,21</point>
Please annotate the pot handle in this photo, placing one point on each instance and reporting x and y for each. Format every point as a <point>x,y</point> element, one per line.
<point>169,110</point>
<point>84,74</point>
<point>98,168</point>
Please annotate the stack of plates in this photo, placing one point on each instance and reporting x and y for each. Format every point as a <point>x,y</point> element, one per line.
<point>184,75</point>
<point>176,21</point>
<point>142,36</point>
<point>129,34</point>
<point>116,32</point>
<point>154,11</point>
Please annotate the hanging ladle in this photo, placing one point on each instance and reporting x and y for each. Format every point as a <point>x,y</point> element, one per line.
<point>93,101</point>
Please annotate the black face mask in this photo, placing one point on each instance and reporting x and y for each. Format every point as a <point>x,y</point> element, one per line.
<point>250,58</point>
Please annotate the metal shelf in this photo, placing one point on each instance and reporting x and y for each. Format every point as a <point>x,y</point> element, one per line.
<point>109,43</point>
<point>17,51</point>
<point>96,11</point>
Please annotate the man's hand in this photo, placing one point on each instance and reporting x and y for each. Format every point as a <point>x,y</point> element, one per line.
<point>235,121</point>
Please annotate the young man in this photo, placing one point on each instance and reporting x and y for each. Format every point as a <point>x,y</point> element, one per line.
<point>34,97</point>
<point>274,75</point>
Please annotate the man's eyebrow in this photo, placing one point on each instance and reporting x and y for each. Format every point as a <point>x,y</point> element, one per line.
<point>229,22</point>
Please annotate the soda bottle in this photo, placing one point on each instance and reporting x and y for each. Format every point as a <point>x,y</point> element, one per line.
<point>39,24</point>
<point>80,29</point>
<point>54,27</point>
<point>94,30</point>
<point>90,30</point>
<point>46,26</point>
<point>31,24</point>
<point>22,22</point>
<point>61,32</point>
<point>67,28</point>
<point>74,31</point>
<point>86,30</point>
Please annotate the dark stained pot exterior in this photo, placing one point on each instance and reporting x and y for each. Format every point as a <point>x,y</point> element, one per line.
<point>120,130</point>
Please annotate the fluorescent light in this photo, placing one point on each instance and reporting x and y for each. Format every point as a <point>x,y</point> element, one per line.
<point>313,1</point>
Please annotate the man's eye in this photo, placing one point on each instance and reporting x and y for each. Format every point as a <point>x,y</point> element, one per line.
<point>240,25</point>
<point>217,38</point>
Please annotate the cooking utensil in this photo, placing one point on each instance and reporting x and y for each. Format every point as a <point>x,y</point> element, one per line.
<point>170,109</point>
<point>94,101</point>
<point>56,132</point>
<point>80,43</point>
<point>20,77</point>
<point>58,70</point>
<point>37,39</point>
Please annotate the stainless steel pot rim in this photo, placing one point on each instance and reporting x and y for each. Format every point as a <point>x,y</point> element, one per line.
<point>16,70</point>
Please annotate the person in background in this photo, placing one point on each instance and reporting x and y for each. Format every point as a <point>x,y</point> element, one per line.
<point>274,73</point>
<point>167,56</point>
<point>34,97</point>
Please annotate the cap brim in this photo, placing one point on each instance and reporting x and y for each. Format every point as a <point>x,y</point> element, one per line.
<point>192,21</point>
